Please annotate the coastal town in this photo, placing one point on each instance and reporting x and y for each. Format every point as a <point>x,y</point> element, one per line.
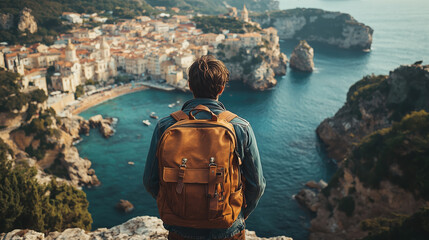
<point>149,52</point>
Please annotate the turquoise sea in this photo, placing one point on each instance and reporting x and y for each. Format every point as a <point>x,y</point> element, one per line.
<point>284,119</point>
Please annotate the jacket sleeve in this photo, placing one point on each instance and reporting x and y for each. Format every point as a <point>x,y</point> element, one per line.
<point>252,172</point>
<point>151,173</point>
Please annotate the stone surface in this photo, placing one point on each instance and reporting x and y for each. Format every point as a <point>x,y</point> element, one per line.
<point>331,223</point>
<point>75,125</point>
<point>144,227</point>
<point>27,21</point>
<point>308,199</point>
<point>302,57</point>
<point>105,125</point>
<point>374,107</point>
<point>79,169</point>
<point>334,28</point>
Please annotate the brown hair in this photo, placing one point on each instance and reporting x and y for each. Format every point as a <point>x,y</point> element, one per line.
<point>207,76</point>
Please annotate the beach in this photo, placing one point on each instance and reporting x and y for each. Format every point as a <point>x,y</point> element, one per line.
<point>100,97</point>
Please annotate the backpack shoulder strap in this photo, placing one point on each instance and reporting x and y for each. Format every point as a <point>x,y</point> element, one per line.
<point>227,116</point>
<point>179,115</point>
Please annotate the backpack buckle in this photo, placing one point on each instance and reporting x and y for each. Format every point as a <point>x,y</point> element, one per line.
<point>212,162</point>
<point>184,160</point>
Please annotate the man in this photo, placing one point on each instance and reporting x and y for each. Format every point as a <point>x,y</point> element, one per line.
<point>207,79</point>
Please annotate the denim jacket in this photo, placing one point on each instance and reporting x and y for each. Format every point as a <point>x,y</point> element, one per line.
<point>251,169</point>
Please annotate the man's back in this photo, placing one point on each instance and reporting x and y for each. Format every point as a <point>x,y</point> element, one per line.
<point>251,168</point>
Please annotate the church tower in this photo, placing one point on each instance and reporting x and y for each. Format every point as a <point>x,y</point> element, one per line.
<point>244,14</point>
<point>71,52</point>
<point>105,49</point>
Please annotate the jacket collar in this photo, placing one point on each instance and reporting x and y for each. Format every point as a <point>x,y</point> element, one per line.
<point>210,103</point>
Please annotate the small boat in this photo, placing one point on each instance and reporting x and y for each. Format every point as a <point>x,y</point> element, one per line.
<point>177,101</point>
<point>152,115</point>
<point>171,105</point>
<point>130,163</point>
<point>146,122</point>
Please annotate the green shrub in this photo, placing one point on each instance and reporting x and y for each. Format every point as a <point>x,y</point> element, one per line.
<point>26,204</point>
<point>79,91</point>
<point>31,110</point>
<point>38,95</point>
<point>398,227</point>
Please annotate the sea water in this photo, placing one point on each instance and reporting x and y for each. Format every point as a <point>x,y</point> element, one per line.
<point>284,119</point>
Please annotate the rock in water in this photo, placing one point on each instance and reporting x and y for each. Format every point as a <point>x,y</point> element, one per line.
<point>104,125</point>
<point>124,206</point>
<point>308,199</point>
<point>27,21</point>
<point>95,121</point>
<point>302,57</point>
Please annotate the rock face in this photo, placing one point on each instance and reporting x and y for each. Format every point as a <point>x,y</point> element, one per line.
<point>124,206</point>
<point>79,169</point>
<point>255,66</point>
<point>302,57</point>
<point>75,125</point>
<point>27,21</point>
<point>6,21</point>
<point>144,227</point>
<point>63,155</point>
<point>333,223</point>
<point>105,125</point>
<point>334,28</point>
<point>374,103</point>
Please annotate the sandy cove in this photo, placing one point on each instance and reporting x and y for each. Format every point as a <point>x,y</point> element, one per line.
<point>95,99</point>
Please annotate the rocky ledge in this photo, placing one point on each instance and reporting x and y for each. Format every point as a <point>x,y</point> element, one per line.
<point>334,28</point>
<point>144,227</point>
<point>302,57</point>
<point>373,103</point>
<point>51,150</point>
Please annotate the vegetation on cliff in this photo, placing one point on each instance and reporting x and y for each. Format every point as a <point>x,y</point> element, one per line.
<point>215,24</point>
<point>41,129</point>
<point>374,103</point>
<point>216,6</point>
<point>26,204</point>
<point>398,227</point>
<point>11,98</point>
<point>399,154</point>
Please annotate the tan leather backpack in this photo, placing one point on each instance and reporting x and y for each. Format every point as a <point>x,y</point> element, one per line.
<point>200,179</point>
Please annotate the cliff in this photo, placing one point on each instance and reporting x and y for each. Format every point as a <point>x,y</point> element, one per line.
<point>334,28</point>
<point>384,178</point>
<point>374,103</point>
<point>137,228</point>
<point>256,66</point>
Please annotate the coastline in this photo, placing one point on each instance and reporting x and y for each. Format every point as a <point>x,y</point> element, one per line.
<point>95,99</point>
